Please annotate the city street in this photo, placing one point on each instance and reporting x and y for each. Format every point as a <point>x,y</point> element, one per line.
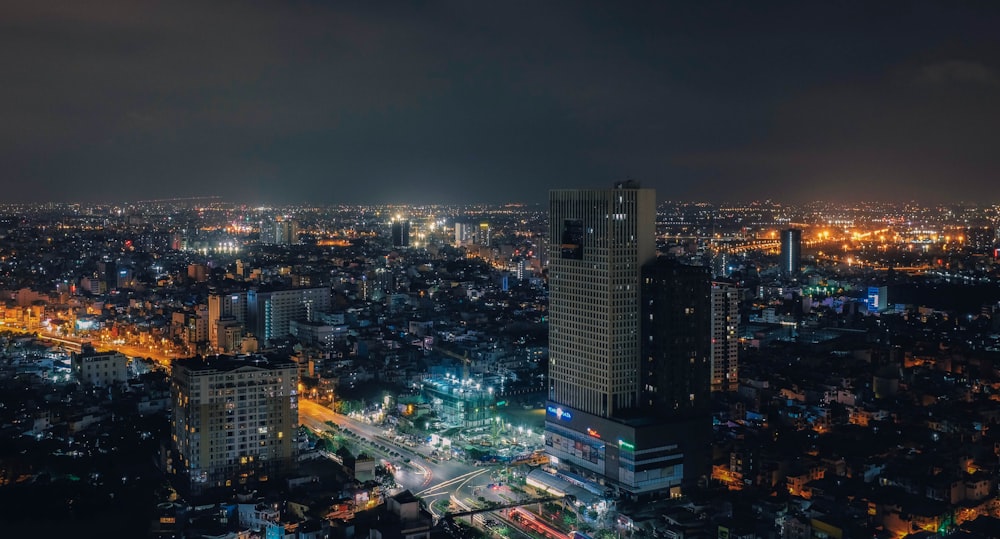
<point>434,481</point>
<point>420,474</point>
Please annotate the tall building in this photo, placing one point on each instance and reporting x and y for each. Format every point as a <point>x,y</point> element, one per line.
<point>676,359</point>
<point>224,306</point>
<point>878,299</point>
<point>677,350</point>
<point>465,232</point>
<point>725,336</point>
<point>400,232</point>
<point>269,312</point>
<point>791,252</point>
<point>483,234</point>
<point>279,231</point>
<point>599,241</point>
<point>234,420</point>
<point>597,423</point>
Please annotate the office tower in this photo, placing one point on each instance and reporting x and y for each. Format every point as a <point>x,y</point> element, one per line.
<point>676,326</point>
<point>270,311</point>
<point>596,423</point>
<point>599,240</point>
<point>791,252</point>
<point>400,232</point>
<point>234,420</point>
<point>725,337</point>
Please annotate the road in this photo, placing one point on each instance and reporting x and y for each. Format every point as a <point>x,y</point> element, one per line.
<point>431,480</point>
<point>421,474</point>
<point>162,358</point>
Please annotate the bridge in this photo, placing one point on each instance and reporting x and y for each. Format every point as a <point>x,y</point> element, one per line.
<point>68,343</point>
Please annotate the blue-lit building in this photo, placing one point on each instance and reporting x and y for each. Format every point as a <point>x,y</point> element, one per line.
<point>791,252</point>
<point>459,403</point>
<point>878,299</point>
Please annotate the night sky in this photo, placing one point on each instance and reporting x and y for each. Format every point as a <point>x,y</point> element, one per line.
<point>468,101</point>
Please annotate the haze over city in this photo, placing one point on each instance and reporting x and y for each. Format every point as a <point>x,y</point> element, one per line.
<point>454,102</point>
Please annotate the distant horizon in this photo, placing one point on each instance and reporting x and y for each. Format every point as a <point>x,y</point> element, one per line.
<point>208,200</point>
<point>284,103</point>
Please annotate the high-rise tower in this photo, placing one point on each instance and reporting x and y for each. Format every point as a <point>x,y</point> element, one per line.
<point>399,230</point>
<point>599,240</point>
<point>676,370</point>
<point>725,336</point>
<point>234,420</point>
<point>791,252</point>
<point>597,422</point>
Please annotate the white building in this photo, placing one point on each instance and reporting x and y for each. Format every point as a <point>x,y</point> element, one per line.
<point>100,368</point>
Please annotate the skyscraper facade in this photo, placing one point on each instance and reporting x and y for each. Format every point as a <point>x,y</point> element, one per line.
<point>725,336</point>
<point>791,252</point>
<point>599,241</point>
<point>677,348</point>
<point>597,423</point>
<point>676,360</point>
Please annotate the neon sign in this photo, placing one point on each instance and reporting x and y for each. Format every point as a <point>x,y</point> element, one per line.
<point>559,413</point>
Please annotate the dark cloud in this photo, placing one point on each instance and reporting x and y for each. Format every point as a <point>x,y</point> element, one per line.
<point>959,71</point>
<point>475,101</point>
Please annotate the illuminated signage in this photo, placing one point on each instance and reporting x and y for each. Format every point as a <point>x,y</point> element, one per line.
<point>559,413</point>
<point>625,445</point>
<point>593,432</point>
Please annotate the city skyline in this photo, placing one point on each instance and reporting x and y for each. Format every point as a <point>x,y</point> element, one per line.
<point>289,103</point>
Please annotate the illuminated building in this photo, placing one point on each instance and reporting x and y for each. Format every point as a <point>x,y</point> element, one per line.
<point>878,299</point>
<point>465,233</point>
<point>224,306</point>
<point>270,312</point>
<point>461,403</point>
<point>234,420</point>
<point>279,231</point>
<point>483,234</point>
<point>725,337</point>
<point>791,252</point>
<point>597,424</point>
